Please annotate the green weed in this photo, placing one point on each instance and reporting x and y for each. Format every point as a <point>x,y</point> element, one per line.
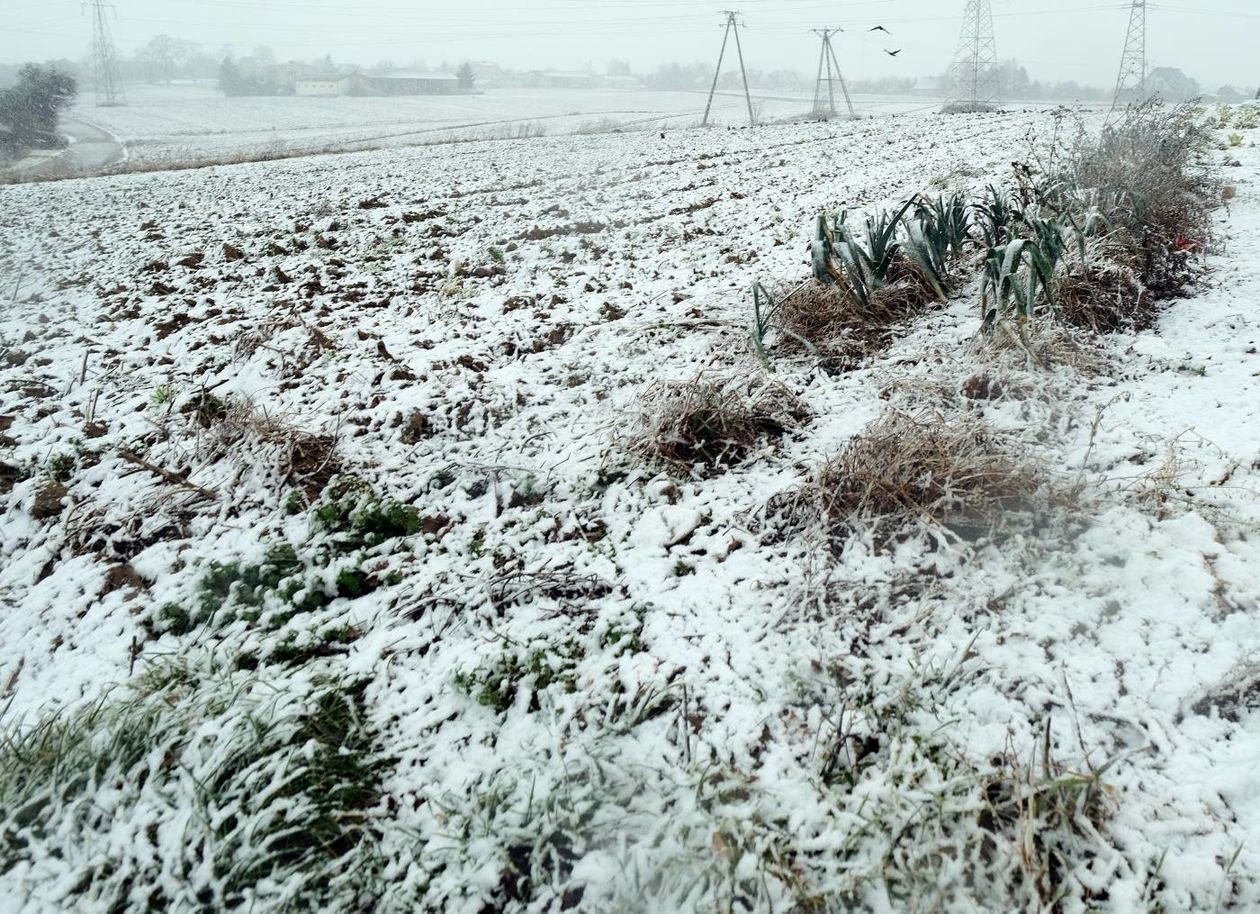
<point>273,788</point>
<point>497,683</point>
<point>60,467</point>
<point>164,394</point>
<point>354,516</point>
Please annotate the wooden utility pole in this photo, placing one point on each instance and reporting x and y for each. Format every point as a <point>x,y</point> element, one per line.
<point>732,25</point>
<point>827,60</point>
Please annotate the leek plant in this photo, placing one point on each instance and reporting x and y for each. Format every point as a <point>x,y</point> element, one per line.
<point>1014,279</point>
<point>866,268</point>
<point>950,220</point>
<point>765,311</point>
<point>998,217</point>
<point>937,235</point>
<point>928,249</point>
<point>1021,273</point>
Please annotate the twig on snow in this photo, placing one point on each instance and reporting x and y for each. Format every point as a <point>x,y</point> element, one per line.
<point>172,478</point>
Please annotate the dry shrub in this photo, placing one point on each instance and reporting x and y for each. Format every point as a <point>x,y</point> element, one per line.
<point>1149,172</point>
<point>906,471</point>
<point>705,424</point>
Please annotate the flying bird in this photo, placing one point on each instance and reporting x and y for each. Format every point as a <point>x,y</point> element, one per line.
<point>880,28</point>
<point>892,53</point>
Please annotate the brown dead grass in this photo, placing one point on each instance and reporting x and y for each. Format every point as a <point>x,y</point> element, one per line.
<point>1103,292</point>
<point>843,333</point>
<point>830,320</point>
<point>120,532</point>
<point>907,471</point>
<point>703,424</point>
<point>1043,348</point>
<point>293,457</point>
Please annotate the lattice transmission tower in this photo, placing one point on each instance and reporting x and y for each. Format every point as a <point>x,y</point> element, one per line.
<point>1131,83</point>
<point>109,90</point>
<point>973,76</point>
<point>825,86</point>
<point>732,25</point>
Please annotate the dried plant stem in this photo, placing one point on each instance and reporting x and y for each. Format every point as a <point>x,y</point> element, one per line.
<point>172,478</point>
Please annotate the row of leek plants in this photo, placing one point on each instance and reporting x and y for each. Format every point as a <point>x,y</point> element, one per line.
<point>1020,240</point>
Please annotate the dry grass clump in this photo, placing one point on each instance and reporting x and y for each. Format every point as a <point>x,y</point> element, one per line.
<point>1047,346</point>
<point>904,471</point>
<point>704,424</point>
<point>827,319</point>
<point>840,330</point>
<point>293,457</point>
<point>1105,297</point>
<point>907,290</point>
<point>1051,819</point>
<point>1102,290</point>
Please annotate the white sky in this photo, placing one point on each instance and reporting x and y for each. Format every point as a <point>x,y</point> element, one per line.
<point>1216,41</point>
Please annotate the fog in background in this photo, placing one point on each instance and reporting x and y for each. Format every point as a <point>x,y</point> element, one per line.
<point>1056,40</point>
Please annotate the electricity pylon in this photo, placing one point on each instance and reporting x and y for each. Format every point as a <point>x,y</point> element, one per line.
<point>109,92</point>
<point>826,86</point>
<point>732,25</point>
<point>1131,83</point>
<point>973,76</point>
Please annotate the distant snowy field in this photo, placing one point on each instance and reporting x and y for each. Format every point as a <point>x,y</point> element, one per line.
<point>596,685</point>
<point>180,123</point>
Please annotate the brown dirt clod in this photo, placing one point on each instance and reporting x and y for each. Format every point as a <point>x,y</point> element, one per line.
<point>50,501</point>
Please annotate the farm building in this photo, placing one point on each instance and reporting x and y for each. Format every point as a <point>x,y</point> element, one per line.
<point>489,75</point>
<point>552,79</point>
<point>406,84</point>
<point>323,86</point>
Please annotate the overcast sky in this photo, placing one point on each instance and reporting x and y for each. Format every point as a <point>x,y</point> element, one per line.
<point>1213,40</point>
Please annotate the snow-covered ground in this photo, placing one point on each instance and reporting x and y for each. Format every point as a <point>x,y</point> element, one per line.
<point>181,123</point>
<point>598,685</point>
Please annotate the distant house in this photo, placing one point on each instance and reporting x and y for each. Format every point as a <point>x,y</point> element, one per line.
<point>406,84</point>
<point>1171,84</point>
<point>489,75</point>
<point>553,79</point>
<point>323,86</point>
<point>621,82</point>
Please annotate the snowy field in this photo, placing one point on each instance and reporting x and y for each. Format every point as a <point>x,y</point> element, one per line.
<point>524,668</point>
<point>181,123</point>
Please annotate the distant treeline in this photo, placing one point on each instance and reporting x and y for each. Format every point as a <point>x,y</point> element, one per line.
<point>260,72</point>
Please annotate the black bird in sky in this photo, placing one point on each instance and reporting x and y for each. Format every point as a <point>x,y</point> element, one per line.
<point>880,28</point>
<point>892,53</point>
